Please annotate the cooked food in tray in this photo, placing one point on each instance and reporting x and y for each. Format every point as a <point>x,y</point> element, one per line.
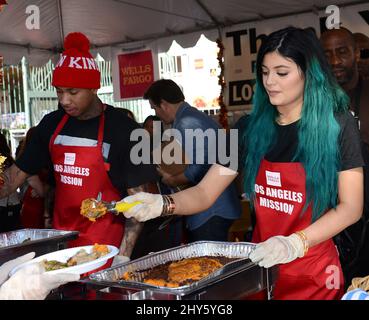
<point>80,257</point>
<point>178,273</point>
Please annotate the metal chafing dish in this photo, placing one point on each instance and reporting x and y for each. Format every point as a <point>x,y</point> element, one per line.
<point>16,243</point>
<point>235,280</point>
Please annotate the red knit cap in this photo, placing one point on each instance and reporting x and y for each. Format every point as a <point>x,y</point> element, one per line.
<point>76,67</point>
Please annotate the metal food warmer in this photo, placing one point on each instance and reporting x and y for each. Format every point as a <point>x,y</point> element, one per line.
<point>235,280</point>
<point>16,243</point>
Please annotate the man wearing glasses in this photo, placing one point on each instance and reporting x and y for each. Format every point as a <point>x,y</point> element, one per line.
<point>344,55</point>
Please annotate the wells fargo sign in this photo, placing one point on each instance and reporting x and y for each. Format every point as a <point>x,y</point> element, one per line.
<point>136,73</point>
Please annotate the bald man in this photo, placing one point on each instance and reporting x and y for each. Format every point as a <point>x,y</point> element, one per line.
<point>362,43</point>
<point>343,55</point>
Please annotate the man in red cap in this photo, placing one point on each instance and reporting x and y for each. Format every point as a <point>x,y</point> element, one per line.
<point>86,143</point>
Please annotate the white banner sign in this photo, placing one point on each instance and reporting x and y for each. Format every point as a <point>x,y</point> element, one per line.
<point>241,43</point>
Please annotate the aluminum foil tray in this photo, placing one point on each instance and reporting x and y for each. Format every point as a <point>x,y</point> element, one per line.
<point>18,242</point>
<point>239,250</point>
<point>22,236</point>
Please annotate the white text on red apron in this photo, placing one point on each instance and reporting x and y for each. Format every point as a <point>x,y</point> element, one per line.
<point>71,170</point>
<point>275,195</point>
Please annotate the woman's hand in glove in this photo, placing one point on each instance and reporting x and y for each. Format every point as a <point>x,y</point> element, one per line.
<point>33,283</point>
<point>278,249</point>
<point>10,265</point>
<point>150,208</point>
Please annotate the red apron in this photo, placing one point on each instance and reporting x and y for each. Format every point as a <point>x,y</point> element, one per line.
<point>80,173</point>
<point>280,197</point>
<point>32,212</point>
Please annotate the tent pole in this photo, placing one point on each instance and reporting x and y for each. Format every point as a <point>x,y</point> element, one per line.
<point>27,108</point>
<point>218,25</point>
<point>61,27</point>
<point>207,11</point>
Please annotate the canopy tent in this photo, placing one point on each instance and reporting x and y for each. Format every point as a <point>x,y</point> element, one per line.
<point>130,23</point>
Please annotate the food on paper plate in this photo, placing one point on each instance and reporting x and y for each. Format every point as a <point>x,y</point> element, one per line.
<point>93,209</point>
<point>51,265</point>
<point>98,250</point>
<point>179,273</point>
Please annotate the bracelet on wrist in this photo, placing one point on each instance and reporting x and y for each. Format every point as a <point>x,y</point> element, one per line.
<point>168,205</point>
<point>304,240</point>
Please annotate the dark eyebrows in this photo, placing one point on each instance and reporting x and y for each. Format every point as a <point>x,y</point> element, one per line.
<point>345,47</point>
<point>342,47</point>
<point>276,67</point>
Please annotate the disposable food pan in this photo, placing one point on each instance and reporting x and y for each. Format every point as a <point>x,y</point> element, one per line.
<point>234,280</point>
<point>16,243</point>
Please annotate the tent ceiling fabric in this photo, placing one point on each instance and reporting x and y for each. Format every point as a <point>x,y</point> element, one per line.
<point>124,23</point>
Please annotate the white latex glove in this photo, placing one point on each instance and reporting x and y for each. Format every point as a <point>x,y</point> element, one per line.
<point>33,283</point>
<point>150,208</point>
<point>118,259</point>
<point>10,265</point>
<point>278,250</point>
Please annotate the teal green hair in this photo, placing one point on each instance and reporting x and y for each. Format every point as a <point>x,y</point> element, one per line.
<point>318,130</point>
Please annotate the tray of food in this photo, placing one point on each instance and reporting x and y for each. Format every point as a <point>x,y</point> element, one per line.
<point>15,243</point>
<point>76,260</point>
<point>188,269</point>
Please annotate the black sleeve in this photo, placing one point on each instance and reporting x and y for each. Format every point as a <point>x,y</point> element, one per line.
<point>133,174</point>
<point>241,125</point>
<point>237,132</point>
<point>36,153</point>
<point>349,141</point>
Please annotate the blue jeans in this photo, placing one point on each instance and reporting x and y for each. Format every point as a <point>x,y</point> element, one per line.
<point>215,229</point>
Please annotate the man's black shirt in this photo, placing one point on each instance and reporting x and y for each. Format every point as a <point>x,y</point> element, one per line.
<point>116,146</point>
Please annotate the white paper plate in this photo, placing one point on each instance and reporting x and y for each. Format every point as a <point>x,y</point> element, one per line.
<point>64,255</point>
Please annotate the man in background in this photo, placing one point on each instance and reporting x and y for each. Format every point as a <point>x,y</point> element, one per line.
<point>168,101</point>
<point>343,55</point>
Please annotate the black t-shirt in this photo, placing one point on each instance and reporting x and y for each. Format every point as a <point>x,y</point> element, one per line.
<point>116,146</point>
<point>285,146</point>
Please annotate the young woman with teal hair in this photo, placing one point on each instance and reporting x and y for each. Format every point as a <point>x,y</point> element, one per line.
<point>302,169</point>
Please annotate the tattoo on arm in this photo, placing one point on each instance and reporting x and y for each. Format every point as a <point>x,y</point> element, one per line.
<point>49,203</point>
<point>133,228</point>
<point>49,206</point>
